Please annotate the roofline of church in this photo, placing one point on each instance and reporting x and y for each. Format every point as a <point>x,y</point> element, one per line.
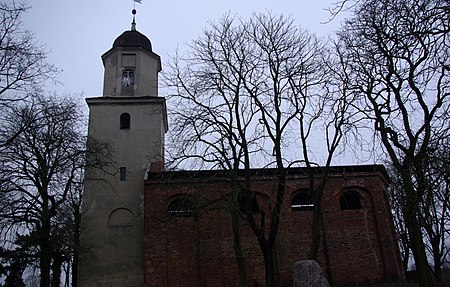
<point>188,175</point>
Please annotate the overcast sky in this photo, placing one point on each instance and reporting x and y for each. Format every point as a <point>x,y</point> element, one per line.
<point>77,33</point>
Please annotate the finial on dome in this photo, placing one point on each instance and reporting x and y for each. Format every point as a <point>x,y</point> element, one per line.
<point>133,24</point>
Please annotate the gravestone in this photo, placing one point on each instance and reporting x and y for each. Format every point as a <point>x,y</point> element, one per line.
<point>307,273</point>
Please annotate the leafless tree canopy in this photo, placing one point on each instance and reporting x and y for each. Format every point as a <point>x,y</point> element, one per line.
<point>254,93</point>
<point>42,171</point>
<point>244,84</point>
<point>397,59</point>
<point>23,66</point>
<point>435,207</point>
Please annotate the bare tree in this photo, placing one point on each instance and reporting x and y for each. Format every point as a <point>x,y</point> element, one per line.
<point>215,121</point>
<point>435,207</point>
<point>434,213</point>
<point>242,93</point>
<point>15,262</point>
<point>41,169</point>
<point>23,66</point>
<point>341,6</point>
<point>326,114</point>
<point>74,207</point>
<point>399,55</point>
<point>397,200</point>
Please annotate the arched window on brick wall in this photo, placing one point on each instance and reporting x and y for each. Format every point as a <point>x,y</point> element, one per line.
<point>182,206</point>
<point>351,199</point>
<point>125,121</point>
<point>302,200</point>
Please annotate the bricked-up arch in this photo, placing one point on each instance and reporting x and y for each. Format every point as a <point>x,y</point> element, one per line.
<point>302,200</point>
<point>121,217</point>
<point>183,205</point>
<point>125,121</point>
<point>351,199</point>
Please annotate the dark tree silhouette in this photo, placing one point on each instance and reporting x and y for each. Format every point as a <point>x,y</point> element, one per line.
<point>398,56</point>
<point>41,174</point>
<point>244,93</point>
<point>23,66</point>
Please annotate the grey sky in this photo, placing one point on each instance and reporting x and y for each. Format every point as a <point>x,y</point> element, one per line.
<point>78,32</point>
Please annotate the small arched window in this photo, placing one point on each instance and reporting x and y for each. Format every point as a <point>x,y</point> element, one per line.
<point>125,121</point>
<point>182,206</point>
<point>351,199</point>
<point>302,200</point>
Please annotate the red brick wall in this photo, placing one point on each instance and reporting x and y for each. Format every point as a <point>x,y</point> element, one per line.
<point>198,251</point>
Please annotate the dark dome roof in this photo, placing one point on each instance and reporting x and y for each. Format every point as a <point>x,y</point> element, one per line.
<point>133,38</point>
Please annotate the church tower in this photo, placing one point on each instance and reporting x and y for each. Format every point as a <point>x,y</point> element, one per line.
<point>131,120</point>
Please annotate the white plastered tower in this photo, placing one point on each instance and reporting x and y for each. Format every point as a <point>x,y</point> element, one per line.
<point>132,120</point>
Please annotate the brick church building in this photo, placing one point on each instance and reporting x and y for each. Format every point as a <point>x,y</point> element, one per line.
<point>145,228</point>
<point>187,248</point>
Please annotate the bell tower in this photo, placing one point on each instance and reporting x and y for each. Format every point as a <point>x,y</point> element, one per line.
<point>131,120</point>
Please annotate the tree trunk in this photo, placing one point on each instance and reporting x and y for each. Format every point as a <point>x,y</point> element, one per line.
<point>425,275</point>
<point>437,267</point>
<point>45,264</point>
<point>76,246</point>
<point>56,271</point>
<point>45,254</point>
<point>319,228</point>
<point>315,241</point>
<point>238,247</point>
<point>270,264</point>
<point>317,214</point>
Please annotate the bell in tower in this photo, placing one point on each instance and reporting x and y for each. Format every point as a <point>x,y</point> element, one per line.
<point>131,120</point>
